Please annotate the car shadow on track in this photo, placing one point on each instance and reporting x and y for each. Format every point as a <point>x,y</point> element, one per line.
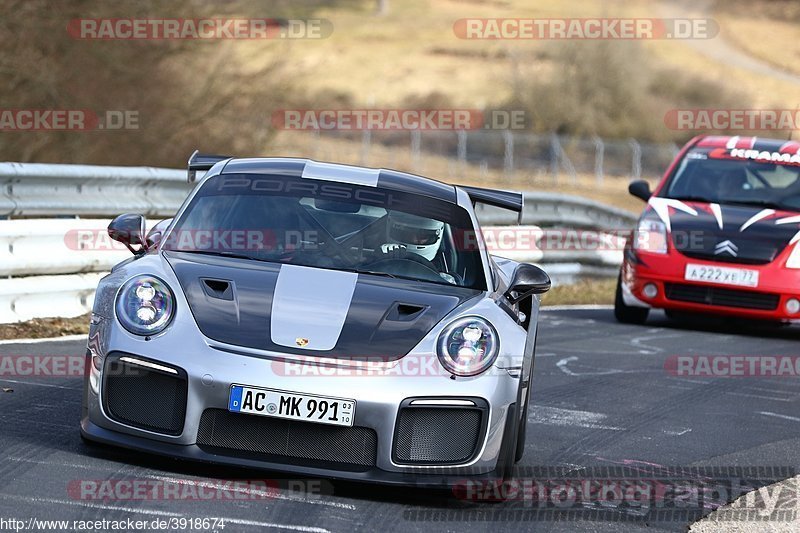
<point>287,484</point>
<point>424,505</point>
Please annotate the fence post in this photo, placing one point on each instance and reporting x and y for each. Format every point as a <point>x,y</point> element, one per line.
<point>508,159</point>
<point>366,145</point>
<point>636,163</point>
<point>416,142</point>
<point>461,149</point>
<point>555,152</point>
<point>315,138</point>
<point>599,154</point>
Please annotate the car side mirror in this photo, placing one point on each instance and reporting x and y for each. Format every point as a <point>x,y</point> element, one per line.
<point>129,229</point>
<point>640,189</point>
<point>527,280</point>
<point>156,233</point>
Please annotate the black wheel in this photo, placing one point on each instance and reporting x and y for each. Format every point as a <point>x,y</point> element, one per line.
<point>523,426</point>
<point>625,313</point>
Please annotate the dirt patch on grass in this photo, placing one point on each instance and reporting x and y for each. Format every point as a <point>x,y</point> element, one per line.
<point>41,328</point>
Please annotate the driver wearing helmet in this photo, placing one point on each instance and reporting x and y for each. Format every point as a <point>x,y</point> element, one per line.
<point>418,235</point>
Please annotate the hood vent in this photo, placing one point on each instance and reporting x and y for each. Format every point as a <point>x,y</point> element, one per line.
<point>400,312</point>
<point>217,288</point>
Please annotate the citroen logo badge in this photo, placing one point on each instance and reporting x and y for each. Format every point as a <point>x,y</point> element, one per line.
<point>726,247</point>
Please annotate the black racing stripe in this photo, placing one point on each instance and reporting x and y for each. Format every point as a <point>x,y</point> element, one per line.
<point>243,320</point>
<point>400,181</point>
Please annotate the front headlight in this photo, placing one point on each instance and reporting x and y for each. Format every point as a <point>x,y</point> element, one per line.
<point>145,305</point>
<point>468,346</point>
<point>651,236</point>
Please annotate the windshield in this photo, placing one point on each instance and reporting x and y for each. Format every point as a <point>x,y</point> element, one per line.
<point>330,225</point>
<point>738,176</point>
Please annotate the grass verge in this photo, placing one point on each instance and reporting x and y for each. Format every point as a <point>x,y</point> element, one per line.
<point>585,292</point>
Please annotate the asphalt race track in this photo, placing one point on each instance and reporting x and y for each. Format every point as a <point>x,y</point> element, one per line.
<point>602,402</point>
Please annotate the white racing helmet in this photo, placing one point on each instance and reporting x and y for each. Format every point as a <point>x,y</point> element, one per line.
<point>420,235</point>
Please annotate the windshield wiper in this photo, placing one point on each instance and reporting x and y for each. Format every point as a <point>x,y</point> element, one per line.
<point>372,272</point>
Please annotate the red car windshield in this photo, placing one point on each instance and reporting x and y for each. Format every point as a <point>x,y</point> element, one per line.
<point>737,176</point>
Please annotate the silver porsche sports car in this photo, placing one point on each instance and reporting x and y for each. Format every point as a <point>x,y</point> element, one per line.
<point>319,319</point>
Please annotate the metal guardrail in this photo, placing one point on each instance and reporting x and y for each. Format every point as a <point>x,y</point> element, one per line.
<point>560,210</point>
<point>53,265</point>
<point>42,296</point>
<point>40,189</point>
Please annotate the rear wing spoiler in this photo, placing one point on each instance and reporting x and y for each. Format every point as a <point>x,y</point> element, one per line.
<point>511,200</point>
<point>198,161</point>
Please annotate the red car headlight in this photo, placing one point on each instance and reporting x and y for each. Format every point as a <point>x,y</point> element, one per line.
<point>650,236</point>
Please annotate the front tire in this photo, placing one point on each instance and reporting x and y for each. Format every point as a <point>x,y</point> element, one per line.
<point>627,314</point>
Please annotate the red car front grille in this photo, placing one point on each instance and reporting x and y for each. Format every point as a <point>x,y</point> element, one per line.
<point>702,294</point>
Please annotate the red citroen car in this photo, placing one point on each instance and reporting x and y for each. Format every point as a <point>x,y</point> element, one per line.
<point>720,234</point>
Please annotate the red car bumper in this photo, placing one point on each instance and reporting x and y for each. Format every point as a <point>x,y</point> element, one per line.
<point>768,301</point>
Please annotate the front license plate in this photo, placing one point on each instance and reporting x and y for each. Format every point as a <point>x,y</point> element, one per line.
<point>742,277</point>
<point>292,406</point>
